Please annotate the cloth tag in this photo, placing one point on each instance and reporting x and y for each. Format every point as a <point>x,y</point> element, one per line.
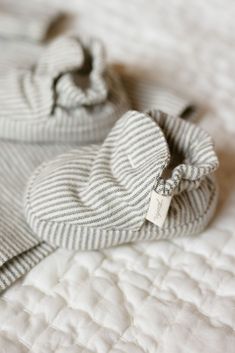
<point>158,208</point>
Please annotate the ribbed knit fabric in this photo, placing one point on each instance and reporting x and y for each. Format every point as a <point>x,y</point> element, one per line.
<point>23,23</point>
<point>20,249</point>
<point>145,95</point>
<point>98,196</point>
<point>25,58</point>
<point>19,265</point>
<point>69,95</point>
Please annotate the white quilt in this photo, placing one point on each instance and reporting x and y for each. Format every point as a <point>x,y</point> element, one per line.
<point>153,297</point>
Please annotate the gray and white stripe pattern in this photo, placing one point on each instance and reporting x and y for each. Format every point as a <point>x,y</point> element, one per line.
<point>27,53</point>
<point>145,95</point>
<point>98,196</point>
<point>69,95</point>
<point>20,250</point>
<point>19,265</point>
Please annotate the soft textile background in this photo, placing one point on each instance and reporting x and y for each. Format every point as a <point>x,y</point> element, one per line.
<point>174,296</point>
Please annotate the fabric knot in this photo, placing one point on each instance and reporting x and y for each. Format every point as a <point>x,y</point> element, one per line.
<point>88,84</point>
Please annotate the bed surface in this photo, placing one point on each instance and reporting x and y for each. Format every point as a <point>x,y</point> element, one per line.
<point>163,296</point>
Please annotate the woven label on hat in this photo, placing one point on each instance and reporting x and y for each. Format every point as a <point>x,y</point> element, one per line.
<point>158,208</point>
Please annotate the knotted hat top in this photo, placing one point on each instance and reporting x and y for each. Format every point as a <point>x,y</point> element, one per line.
<point>68,95</point>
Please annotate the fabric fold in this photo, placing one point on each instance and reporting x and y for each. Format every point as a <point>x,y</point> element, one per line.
<point>20,250</point>
<point>18,161</point>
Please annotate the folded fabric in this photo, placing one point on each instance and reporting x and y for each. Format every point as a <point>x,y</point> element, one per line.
<point>19,265</point>
<point>20,250</point>
<point>100,196</point>
<point>69,95</point>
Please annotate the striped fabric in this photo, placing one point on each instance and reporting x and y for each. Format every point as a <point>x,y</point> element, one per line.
<point>27,52</point>
<point>19,265</point>
<point>98,196</point>
<point>145,95</point>
<point>20,249</point>
<point>25,23</point>
<point>69,95</point>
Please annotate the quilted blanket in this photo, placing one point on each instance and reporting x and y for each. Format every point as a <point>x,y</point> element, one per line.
<point>164,296</point>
